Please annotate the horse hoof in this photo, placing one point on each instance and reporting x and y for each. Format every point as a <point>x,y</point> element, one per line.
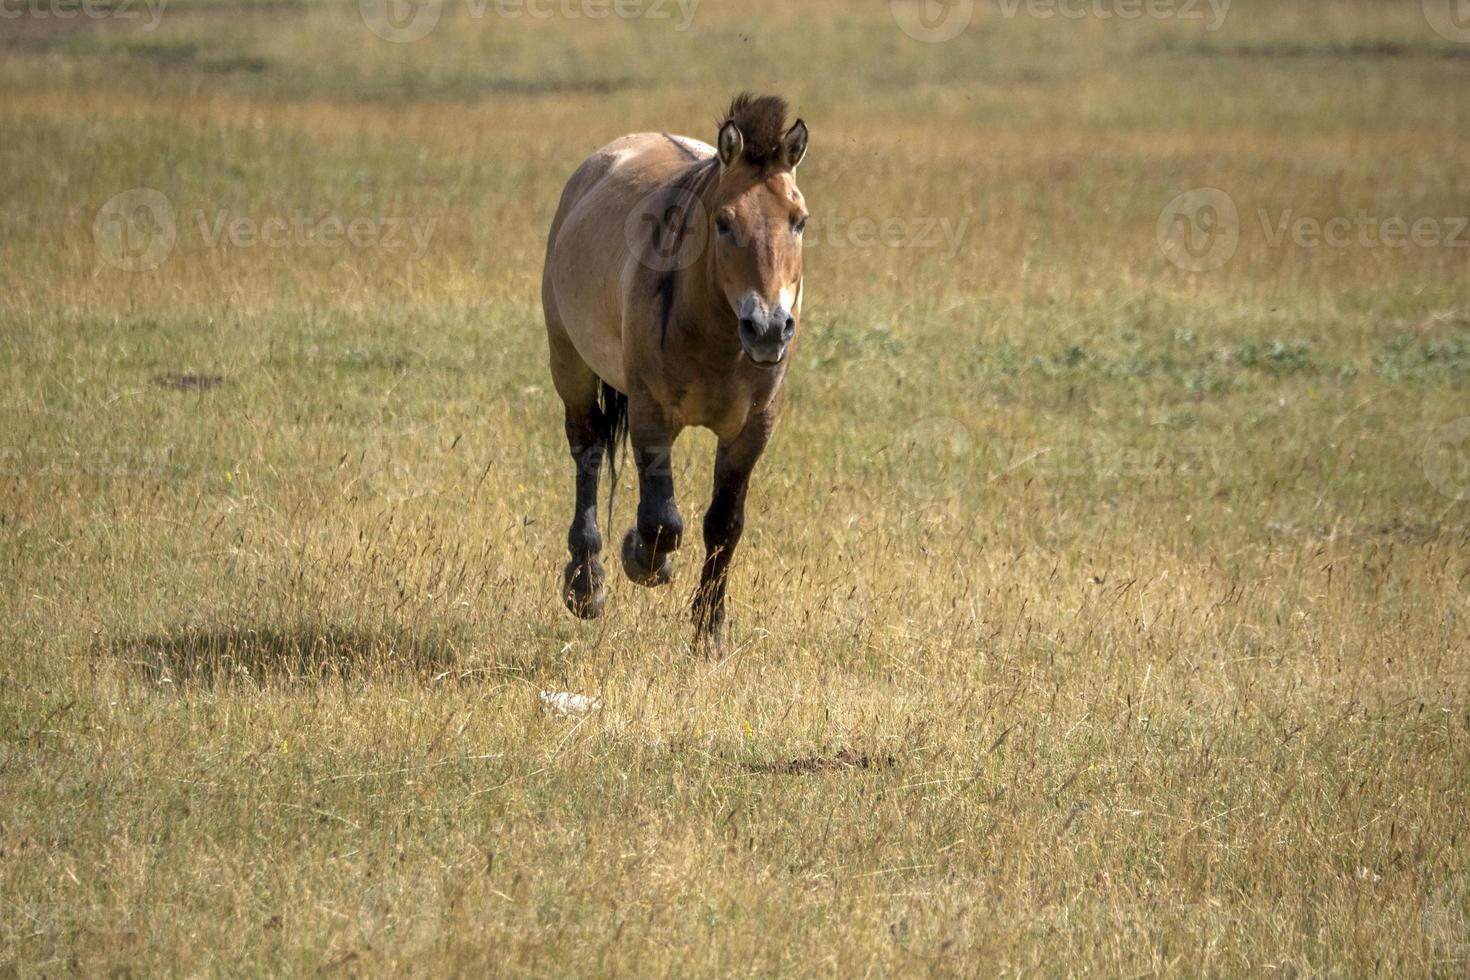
<point>709,645</point>
<point>709,634</point>
<point>635,563</point>
<point>582,589</point>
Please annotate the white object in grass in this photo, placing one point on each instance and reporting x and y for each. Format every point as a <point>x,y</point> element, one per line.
<point>567,704</point>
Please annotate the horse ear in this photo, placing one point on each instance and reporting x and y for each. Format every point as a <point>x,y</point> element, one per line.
<point>732,143</point>
<point>793,145</point>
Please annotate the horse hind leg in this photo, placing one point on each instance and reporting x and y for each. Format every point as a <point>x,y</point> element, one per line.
<point>589,431</point>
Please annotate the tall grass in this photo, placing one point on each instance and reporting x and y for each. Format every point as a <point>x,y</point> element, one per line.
<point>1094,615</point>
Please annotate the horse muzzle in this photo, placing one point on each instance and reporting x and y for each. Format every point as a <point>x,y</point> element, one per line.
<point>765,333</point>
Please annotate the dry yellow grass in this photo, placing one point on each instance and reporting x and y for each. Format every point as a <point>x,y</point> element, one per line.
<point>1095,615</point>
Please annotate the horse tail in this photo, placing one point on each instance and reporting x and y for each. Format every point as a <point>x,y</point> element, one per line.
<point>613,431</point>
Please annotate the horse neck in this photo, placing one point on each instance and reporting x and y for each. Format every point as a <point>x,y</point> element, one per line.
<point>698,300</point>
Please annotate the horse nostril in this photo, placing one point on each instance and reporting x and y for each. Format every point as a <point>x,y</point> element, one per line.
<point>748,327</point>
<point>790,326</point>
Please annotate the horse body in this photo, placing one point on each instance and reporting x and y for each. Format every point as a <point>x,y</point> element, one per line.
<point>591,275</point>
<point>672,295</point>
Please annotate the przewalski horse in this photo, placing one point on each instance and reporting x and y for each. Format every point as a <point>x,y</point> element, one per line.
<point>672,294</point>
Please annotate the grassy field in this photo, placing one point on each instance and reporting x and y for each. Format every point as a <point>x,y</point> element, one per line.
<point>1105,603</point>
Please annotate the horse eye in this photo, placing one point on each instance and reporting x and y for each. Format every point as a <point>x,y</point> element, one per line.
<point>799,227</point>
<point>723,226</point>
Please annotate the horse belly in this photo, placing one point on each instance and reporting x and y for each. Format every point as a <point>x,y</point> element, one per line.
<point>594,331</point>
<point>585,277</point>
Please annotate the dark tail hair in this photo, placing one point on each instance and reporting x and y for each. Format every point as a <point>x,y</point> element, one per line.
<point>613,430</point>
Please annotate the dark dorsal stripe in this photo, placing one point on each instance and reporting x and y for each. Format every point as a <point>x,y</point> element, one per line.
<point>679,145</point>
<point>689,189</point>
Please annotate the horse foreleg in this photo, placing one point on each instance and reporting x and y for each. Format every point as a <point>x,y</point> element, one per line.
<point>724,522</point>
<point>648,546</point>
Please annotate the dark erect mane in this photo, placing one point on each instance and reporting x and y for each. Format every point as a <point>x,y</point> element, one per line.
<point>762,121</point>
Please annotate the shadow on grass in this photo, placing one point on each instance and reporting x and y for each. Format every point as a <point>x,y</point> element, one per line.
<point>282,655</point>
<point>843,760</point>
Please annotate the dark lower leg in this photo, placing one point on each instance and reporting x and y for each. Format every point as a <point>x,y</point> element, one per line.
<point>582,580</point>
<point>648,546</point>
<point>724,523</point>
